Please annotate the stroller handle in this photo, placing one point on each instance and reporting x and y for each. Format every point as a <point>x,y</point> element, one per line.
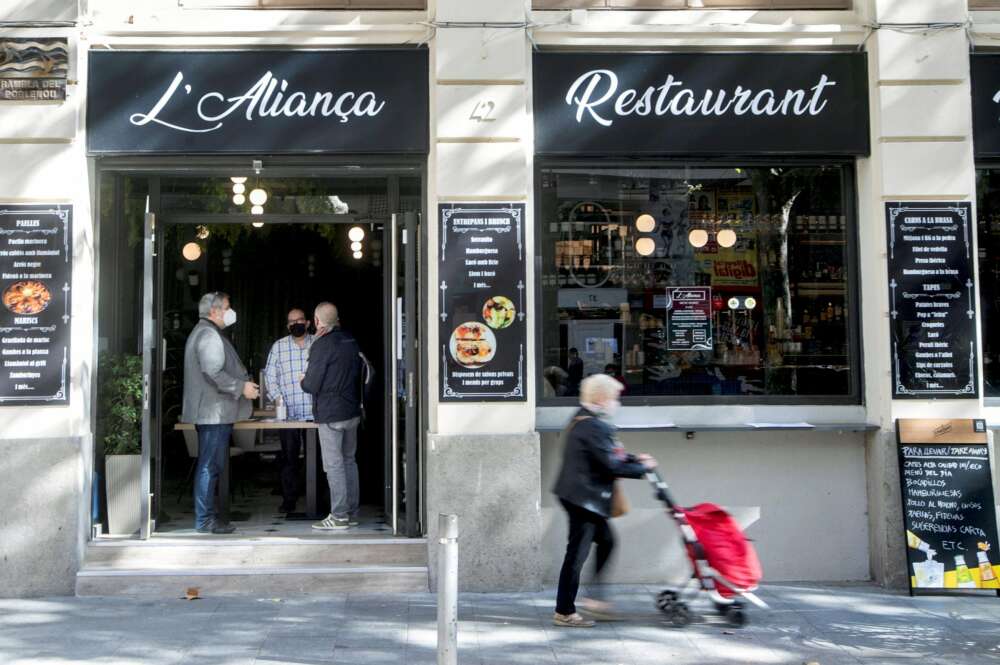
<point>662,490</point>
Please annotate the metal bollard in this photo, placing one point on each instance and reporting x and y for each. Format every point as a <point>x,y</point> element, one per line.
<point>447,599</point>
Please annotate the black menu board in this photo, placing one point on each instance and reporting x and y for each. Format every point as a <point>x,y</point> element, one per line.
<point>948,504</point>
<point>932,300</point>
<point>36,266</point>
<point>689,318</point>
<point>482,296</point>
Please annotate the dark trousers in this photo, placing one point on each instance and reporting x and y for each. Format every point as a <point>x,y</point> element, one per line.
<point>585,529</point>
<point>213,446</point>
<point>291,468</point>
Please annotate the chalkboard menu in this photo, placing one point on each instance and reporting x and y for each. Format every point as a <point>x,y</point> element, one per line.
<point>932,300</point>
<point>36,262</point>
<point>948,505</point>
<point>689,318</point>
<point>482,296</point>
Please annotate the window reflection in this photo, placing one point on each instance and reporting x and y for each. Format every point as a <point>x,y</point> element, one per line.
<point>766,246</point>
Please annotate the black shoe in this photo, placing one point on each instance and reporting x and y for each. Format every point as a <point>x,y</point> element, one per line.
<point>217,529</point>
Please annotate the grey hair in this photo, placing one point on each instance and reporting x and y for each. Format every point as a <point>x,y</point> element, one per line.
<point>210,301</point>
<point>327,314</point>
<point>599,388</point>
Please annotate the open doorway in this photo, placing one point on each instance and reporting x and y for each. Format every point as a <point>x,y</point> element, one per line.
<point>167,239</point>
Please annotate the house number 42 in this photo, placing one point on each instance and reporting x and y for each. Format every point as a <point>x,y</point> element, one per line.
<point>483,111</point>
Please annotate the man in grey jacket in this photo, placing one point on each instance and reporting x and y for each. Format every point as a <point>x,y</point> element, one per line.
<point>217,393</point>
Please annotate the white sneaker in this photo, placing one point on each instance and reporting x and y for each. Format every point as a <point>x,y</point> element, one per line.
<point>331,523</point>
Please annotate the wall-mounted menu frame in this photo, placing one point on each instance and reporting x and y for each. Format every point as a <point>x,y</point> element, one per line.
<point>36,268</point>
<point>483,308</point>
<point>949,514</point>
<point>932,300</point>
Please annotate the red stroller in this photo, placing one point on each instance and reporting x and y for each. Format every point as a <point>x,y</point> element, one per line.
<point>724,563</point>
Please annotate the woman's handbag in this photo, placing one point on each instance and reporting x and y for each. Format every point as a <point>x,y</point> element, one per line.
<point>619,502</point>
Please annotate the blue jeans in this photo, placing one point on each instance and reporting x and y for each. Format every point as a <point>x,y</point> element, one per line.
<point>338,443</point>
<point>213,446</point>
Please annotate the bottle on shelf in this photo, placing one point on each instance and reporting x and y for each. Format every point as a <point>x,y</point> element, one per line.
<point>280,410</point>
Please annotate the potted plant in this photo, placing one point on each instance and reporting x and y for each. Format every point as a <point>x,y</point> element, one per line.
<point>119,426</point>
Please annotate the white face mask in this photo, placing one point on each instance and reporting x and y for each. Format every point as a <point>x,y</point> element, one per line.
<point>611,408</point>
<point>229,317</point>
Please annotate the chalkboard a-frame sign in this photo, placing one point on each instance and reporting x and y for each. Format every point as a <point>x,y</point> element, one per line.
<point>948,506</point>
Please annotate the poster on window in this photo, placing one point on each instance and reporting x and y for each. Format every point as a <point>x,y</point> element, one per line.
<point>36,265</point>
<point>689,318</point>
<point>932,300</point>
<point>483,332</point>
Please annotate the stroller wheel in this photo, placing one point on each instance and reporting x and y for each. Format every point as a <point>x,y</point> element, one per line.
<point>681,615</point>
<point>736,617</point>
<point>666,600</point>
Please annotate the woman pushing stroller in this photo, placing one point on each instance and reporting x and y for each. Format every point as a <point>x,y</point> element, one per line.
<point>592,459</point>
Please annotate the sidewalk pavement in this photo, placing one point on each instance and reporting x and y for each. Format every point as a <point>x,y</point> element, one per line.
<point>829,625</point>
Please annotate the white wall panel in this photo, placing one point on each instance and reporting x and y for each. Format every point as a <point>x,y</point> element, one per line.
<point>481,111</point>
<point>927,169</point>
<point>921,11</point>
<point>923,56</point>
<point>481,10</point>
<point>480,54</point>
<point>37,121</point>
<point>481,169</point>
<point>925,110</point>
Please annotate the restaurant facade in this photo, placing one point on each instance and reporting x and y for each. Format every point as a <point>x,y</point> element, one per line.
<point>773,224</point>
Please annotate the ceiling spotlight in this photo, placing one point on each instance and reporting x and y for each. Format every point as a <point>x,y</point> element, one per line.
<point>698,237</point>
<point>191,251</point>
<point>257,210</point>
<point>357,234</point>
<point>357,255</point>
<point>726,238</point>
<point>239,188</point>
<point>355,246</point>
<point>645,246</point>
<point>257,225</point>
<point>202,232</point>
<point>239,199</point>
<point>258,197</point>
<point>238,180</point>
<point>645,224</point>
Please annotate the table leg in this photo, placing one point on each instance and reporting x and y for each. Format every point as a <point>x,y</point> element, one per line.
<point>311,474</point>
<point>224,489</point>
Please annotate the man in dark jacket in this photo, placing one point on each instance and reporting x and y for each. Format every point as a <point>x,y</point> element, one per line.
<point>592,459</point>
<point>332,377</point>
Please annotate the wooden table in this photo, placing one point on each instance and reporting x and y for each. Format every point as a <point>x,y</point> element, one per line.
<point>311,478</point>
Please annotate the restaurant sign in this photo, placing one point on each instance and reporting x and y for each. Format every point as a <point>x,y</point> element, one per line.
<point>33,69</point>
<point>701,103</point>
<point>932,300</point>
<point>482,273</point>
<point>36,265</point>
<point>337,101</point>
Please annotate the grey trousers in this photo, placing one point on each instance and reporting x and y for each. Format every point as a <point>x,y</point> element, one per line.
<point>339,445</point>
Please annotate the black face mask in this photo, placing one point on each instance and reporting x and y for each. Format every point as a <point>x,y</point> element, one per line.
<point>297,329</point>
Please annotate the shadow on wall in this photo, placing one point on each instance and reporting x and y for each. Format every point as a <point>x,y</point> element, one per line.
<point>40,496</point>
<point>38,10</point>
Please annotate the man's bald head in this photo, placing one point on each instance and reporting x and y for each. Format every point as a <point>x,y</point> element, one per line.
<point>327,316</point>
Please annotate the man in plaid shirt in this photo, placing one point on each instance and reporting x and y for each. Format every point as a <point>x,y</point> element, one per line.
<point>286,363</point>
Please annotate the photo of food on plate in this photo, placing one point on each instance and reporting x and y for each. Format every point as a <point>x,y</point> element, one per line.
<point>473,345</point>
<point>27,297</point>
<point>498,312</point>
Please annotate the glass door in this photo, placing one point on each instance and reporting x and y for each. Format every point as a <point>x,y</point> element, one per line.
<point>404,430</point>
<point>151,367</point>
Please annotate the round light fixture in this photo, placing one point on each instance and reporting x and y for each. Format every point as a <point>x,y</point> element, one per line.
<point>257,225</point>
<point>239,188</point>
<point>257,210</point>
<point>191,251</point>
<point>734,303</point>
<point>355,246</point>
<point>750,302</point>
<point>358,255</point>
<point>356,234</point>
<point>239,199</point>
<point>726,238</point>
<point>202,232</point>
<point>698,237</point>
<point>645,224</point>
<point>258,197</point>
<point>645,246</point>
<point>238,180</point>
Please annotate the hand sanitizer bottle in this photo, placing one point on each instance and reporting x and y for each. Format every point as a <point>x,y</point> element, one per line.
<point>281,411</point>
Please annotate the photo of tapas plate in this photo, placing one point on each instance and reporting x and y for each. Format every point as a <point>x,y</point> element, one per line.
<point>473,345</point>
<point>499,312</point>
<point>27,297</point>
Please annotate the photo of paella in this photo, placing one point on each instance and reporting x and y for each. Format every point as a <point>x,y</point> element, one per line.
<point>27,297</point>
<point>472,345</point>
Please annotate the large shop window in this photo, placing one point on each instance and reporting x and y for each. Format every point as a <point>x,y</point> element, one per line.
<point>768,251</point>
<point>692,4</point>
<point>988,225</point>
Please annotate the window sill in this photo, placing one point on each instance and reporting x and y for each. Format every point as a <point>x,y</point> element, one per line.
<point>746,427</point>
